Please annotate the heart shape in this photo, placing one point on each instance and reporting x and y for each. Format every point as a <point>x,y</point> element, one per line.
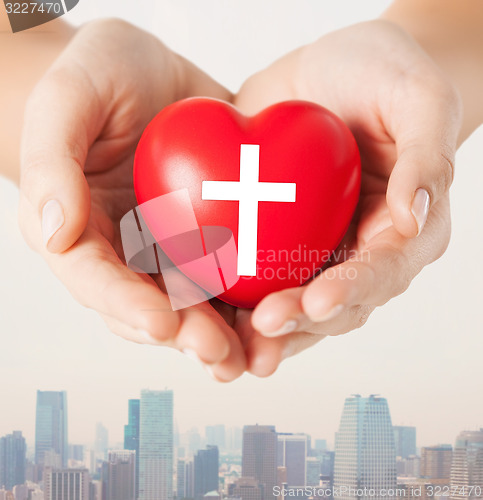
<point>295,167</point>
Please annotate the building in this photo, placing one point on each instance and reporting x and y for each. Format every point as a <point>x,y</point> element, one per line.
<point>190,479</point>
<point>76,452</point>
<point>51,428</point>
<point>13,451</point>
<point>156,445</point>
<point>467,466</point>
<point>69,484</point>
<point>327,464</point>
<point>102,441</point>
<point>131,434</point>
<point>320,445</point>
<point>292,454</point>
<point>205,468</point>
<point>234,438</point>
<point>181,479</point>
<point>405,441</point>
<point>194,440</point>
<point>422,489</point>
<point>121,475</point>
<point>313,471</point>
<point>215,435</point>
<point>436,462</point>
<point>365,455</point>
<point>246,488</point>
<point>408,467</point>
<point>259,456</point>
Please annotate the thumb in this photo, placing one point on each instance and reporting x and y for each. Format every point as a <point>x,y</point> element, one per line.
<point>61,123</point>
<point>426,138</point>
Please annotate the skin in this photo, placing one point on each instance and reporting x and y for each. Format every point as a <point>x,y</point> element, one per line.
<point>406,128</point>
<point>78,144</point>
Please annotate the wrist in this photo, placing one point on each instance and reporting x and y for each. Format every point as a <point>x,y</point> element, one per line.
<point>24,57</point>
<point>458,56</point>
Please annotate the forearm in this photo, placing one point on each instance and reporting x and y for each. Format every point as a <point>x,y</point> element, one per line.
<point>451,32</point>
<point>24,58</point>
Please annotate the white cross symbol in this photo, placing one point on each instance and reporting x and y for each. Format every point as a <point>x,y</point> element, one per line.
<point>248,192</point>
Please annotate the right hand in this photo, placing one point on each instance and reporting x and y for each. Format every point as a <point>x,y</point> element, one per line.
<point>82,124</point>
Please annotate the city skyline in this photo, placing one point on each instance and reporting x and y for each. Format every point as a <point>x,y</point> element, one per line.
<point>364,459</point>
<point>117,436</point>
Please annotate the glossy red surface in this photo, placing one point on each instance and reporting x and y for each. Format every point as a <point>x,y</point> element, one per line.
<point>199,139</point>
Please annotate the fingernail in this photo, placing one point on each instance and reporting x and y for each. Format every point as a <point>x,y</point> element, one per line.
<point>288,351</point>
<point>192,354</point>
<point>332,313</point>
<point>52,220</point>
<point>210,372</point>
<point>420,208</point>
<point>147,337</point>
<point>288,327</point>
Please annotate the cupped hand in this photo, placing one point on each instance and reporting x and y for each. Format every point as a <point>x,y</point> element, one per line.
<point>82,124</point>
<point>406,118</point>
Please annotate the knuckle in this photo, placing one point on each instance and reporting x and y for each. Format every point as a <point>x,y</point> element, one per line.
<point>396,265</point>
<point>362,316</point>
<point>399,264</point>
<point>447,167</point>
<point>358,317</point>
<point>108,23</point>
<point>32,172</point>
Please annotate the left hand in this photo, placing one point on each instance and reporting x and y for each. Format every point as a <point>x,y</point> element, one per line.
<point>405,116</point>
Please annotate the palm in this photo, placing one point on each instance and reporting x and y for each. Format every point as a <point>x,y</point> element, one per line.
<point>323,73</point>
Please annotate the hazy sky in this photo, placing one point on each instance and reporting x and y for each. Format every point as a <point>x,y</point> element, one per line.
<point>422,351</point>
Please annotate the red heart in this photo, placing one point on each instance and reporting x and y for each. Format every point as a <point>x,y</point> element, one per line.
<point>195,141</point>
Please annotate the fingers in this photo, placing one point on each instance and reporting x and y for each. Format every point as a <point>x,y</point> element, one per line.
<point>264,355</point>
<point>425,120</point>
<point>63,117</point>
<point>279,313</point>
<point>114,290</point>
<point>135,308</point>
<point>341,298</point>
<point>205,333</point>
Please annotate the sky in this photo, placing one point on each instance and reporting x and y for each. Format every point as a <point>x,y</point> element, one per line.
<point>422,351</point>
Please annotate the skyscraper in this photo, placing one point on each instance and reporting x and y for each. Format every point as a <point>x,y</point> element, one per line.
<point>246,488</point>
<point>51,426</point>
<point>206,466</point>
<point>365,455</point>
<point>215,435</point>
<point>194,440</point>
<point>181,479</point>
<point>467,466</point>
<point>259,456</point>
<point>436,462</point>
<point>131,434</point>
<point>156,445</point>
<point>313,471</point>
<point>121,475</point>
<point>405,440</point>
<point>71,484</point>
<point>292,454</point>
<point>102,441</point>
<point>320,444</point>
<point>12,460</point>
<point>234,438</point>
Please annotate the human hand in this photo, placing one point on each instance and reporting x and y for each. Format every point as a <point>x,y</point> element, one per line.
<point>406,119</point>
<point>82,124</point>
